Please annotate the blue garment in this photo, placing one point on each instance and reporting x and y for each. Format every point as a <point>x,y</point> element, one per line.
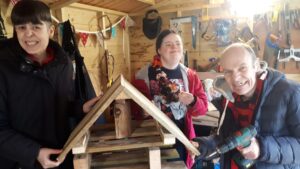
<point>277,119</point>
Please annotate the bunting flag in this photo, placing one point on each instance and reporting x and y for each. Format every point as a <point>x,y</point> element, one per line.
<point>13,2</point>
<point>113,32</point>
<point>123,24</point>
<point>83,37</point>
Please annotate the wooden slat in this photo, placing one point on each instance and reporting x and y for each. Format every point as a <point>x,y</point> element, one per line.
<point>163,119</point>
<point>98,9</point>
<point>125,144</point>
<point>110,135</point>
<point>82,161</point>
<point>138,157</point>
<point>150,2</point>
<point>60,4</point>
<point>165,135</point>
<point>91,117</point>
<point>80,147</point>
<point>154,158</point>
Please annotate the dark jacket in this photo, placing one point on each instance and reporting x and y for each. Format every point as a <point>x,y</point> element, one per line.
<point>277,119</point>
<point>35,103</point>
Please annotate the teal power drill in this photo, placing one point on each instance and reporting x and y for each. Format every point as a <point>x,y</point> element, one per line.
<point>239,138</point>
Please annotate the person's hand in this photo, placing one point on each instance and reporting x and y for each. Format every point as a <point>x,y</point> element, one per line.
<point>44,157</point>
<point>186,98</point>
<point>252,151</point>
<point>195,144</point>
<point>87,106</point>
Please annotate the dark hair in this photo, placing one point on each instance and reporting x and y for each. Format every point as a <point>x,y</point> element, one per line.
<point>30,11</point>
<point>161,37</point>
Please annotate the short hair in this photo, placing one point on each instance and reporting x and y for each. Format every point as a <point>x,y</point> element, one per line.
<point>161,37</point>
<point>243,46</point>
<point>30,11</point>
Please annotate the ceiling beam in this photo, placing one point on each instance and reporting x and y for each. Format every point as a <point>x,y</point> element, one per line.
<point>97,9</point>
<point>150,2</point>
<point>194,6</point>
<point>61,4</point>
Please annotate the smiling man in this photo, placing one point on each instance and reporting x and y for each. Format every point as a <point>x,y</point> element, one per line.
<point>264,99</point>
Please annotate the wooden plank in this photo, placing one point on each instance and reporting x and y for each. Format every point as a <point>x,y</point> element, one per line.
<point>154,158</point>
<point>98,9</point>
<point>122,117</point>
<point>91,117</point>
<point>80,147</point>
<point>110,135</point>
<point>130,158</point>
<point>122,96</point>
<point>163,119</point>
<point>61,4</point>
<point>82,161</point>
<point>165,135</point>
<point>150,2</point>
<point>295,77</point>
<point>125,144</point>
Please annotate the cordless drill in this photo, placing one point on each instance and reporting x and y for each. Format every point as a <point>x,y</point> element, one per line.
<point>239,138</point>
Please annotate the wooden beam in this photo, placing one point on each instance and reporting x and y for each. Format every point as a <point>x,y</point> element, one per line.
<point>98,9</point>
<point>184,7</point>
<point>154,158</point>
<point>82,161</point>
<point>61,4</point>
<point>150,2</point>
<point>80,147</point>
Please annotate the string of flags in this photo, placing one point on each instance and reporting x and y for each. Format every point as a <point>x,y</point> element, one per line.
<point>124,22</point>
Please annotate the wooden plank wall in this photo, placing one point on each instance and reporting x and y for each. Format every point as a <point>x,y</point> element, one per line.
<point>143,49</point>
<point>93,52</point>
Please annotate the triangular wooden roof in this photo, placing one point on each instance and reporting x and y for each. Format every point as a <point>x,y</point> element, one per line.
<point>122,89</point>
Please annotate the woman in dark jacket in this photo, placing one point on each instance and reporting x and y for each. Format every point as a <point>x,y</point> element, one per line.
<point>36,91</point>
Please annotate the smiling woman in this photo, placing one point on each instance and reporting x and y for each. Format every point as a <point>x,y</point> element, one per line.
<point>174,88</point>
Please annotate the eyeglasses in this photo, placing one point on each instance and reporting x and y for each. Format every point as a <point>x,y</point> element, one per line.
<point>171,44</point>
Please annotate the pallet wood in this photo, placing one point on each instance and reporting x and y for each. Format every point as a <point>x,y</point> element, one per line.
<point>154,158</point>
<point>135,159</point>
<point>119,86</point>
<point>122,115</point>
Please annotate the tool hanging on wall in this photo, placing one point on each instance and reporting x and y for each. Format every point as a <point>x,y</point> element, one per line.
<point>109,60</point>
<point>289,54</point>
<point>152,24</point>
<point>175,24</point>
<point>109,30</point>
<point>3,32</point>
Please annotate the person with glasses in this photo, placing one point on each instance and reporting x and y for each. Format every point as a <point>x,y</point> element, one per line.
<point>175,89</point>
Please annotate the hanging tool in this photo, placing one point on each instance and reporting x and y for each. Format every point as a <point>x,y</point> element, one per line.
<point>174,23</point>
<point>239,138</point>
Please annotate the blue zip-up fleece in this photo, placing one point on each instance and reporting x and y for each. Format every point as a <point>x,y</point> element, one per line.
<point>277,120</point>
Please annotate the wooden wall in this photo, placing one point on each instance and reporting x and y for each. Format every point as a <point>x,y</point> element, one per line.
<point>143,49</point>
<point>92,52</point>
